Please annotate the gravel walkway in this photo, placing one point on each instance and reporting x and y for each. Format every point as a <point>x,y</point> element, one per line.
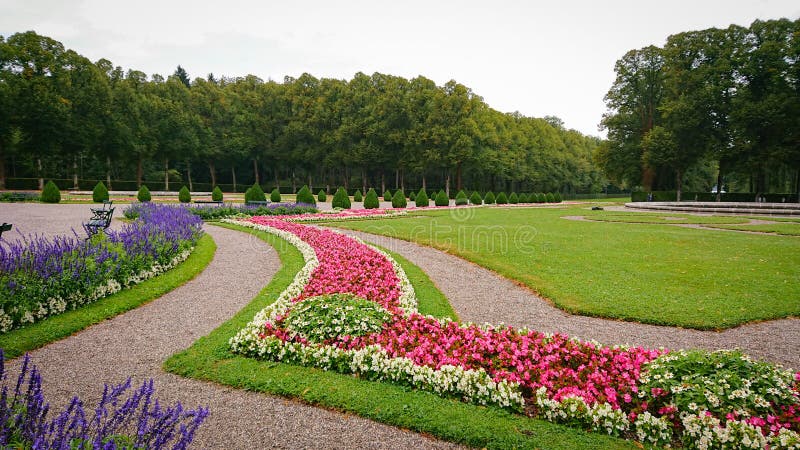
<point>480,295</point>
<point>136,343</point>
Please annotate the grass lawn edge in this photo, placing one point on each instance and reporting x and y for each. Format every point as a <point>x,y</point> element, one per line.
<point>16,342</point>
<point>209,359</point>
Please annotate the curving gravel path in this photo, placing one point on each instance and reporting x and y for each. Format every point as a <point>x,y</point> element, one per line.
<point>136,343</point>
<point>480,295</point>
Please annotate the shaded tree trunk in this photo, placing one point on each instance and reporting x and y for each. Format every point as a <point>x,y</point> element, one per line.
<point>2,169</point>
<point>277,178</point>
<point>108,172</point>
<point>719,184</point>
<point>424,184</point>
<point>255,170</point>
<point>75,173</point>
<point>310,186</point>
<point>396,179</point>
<point>189,175</point>
<point>678,182</point>
<point>294,183</point>
<point>233,177</point>
<point>212,171</point>
<point>39,172</point>
<point>447,184</point>
<point>459,186</point>
<point>166,174</point>
<point>403,181</point>
<point>363,182</point>
<point>139,171</point>
<point>383,182</point>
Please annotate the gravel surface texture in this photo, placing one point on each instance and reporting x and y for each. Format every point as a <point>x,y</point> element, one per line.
<point>480,295</point>
<point>136,343</point>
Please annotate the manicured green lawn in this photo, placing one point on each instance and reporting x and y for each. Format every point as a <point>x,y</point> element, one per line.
<point>786,228</point>
<point>665,217</point>
<point>209,359</point>
<point>19,341</point>
<point>695,278</point>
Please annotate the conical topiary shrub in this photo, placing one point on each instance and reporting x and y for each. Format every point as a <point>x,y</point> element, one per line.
<point>475,198</point>
<point>549,198</point>
<point>513,198</point>
<point>50,193</point>
<point>461,198</point>
<point>557,197</point>
<point>304,195</point>
<point>322,197</point>
<point>387,196</point>
<point>184,196</point>
<point>216,194</point>
<point>399,199</point>
<point>144,194</point>
<point>441,199</point>
<point>489,198</point>
<point>421,200</point>
<point>540,198</point>
<point>501,199</point>
<point>340,199</point>
<point>99,193</point>
<point>371,200</point>
<point>357,196</point>
<point>275,195</point>
<point>254,194</point>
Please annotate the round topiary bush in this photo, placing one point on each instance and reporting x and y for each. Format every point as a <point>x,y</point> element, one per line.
<point>371,200</point>
<point>329,316</point>
<point>442,199</point>
<point>540,198</point>
<point>461,198</point>
<point>475,198</point>
<point>50,193</point>
<point>549,198</point>
<point>489,198</point>
<point>340,199</point>
<point>216,194</point>
<point>421,200</point>
<point>522,198</point>
<point>387,196</point>
<point>399,199</point>
<point>144,194</point>
<point>412,196</point>
<point>184,196</point>
<point>304,195</point>
<point>502,199</point>
<point>513,198</point>
<point>275,195</point>
<point>557,197</point>
<point>99,193</point>
<point>357,196</point>
<point>322,197</point>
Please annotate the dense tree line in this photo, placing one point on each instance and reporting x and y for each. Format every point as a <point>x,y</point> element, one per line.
<point>62,116</point>
<point>717,107</point>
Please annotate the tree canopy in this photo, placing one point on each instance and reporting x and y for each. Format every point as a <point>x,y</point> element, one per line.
<point>715,101</point>
<point>62,117</point>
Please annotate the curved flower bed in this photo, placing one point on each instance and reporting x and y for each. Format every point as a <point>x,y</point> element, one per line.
<point>614,390</point>
<point>40,276</point>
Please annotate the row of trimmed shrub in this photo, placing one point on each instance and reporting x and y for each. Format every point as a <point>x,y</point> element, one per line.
<point>51,194</point>
<point>671,196</point>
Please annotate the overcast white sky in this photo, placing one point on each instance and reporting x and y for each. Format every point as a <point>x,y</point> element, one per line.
<point>538,58</point>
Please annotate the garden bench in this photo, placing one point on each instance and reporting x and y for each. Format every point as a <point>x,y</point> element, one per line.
<point>101,218</point>
<point>4,227</point>
<point>257,202</point>
<point>106,206</point>
<point>216,202</point>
